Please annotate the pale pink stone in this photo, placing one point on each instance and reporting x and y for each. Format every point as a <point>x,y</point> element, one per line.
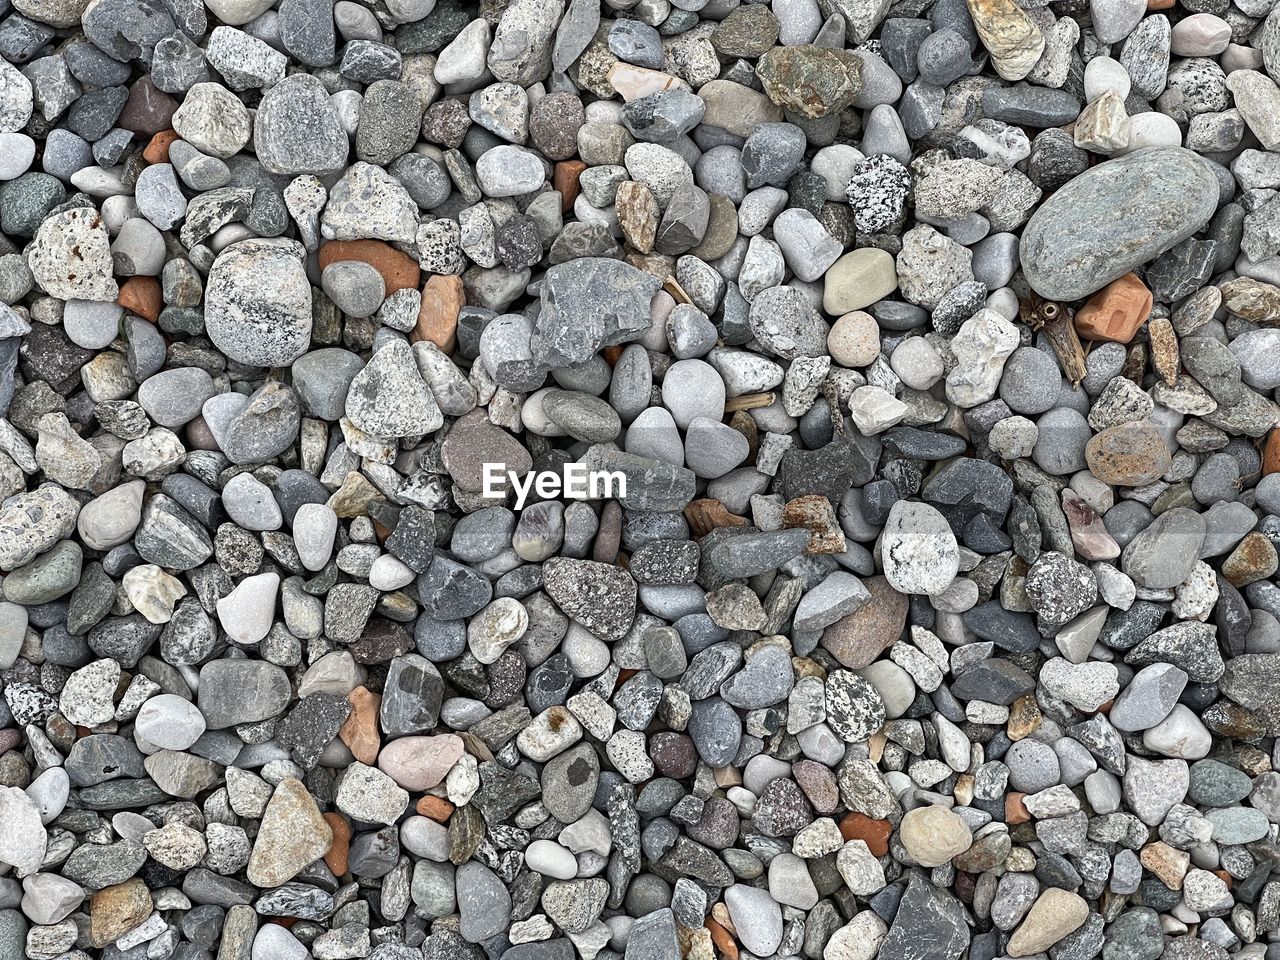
<point>1089,535</point>
<point>419,763</point>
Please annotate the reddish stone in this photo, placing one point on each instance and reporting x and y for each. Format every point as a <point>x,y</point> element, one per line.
<point>1271,452</point>
<point>435,808</point>
<point>874,833</point>
<point>722,939</point>
<point>360,730</point>
<point>157,151</point>
<point>399,271</point>
<point>565,179</point>
<point>336,858</point>
<point>442,300</point>
<point>1116,311</point>
<point>1015,811</point>
<point>141,295</point>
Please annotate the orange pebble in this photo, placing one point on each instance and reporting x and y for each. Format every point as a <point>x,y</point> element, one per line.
<point>360,730</point>
<point>435,808</point>
<point>336,858</point>
<point>1015,811</point>
<point>141,295</point>
<point>1271,452</point>
<point>1116,311</point>
<point>722,939</point>
<point>565,179</point>
<point>443,298</point>
<point>157,151</point>
<point>399,271</point>
<point>874,833</point>
<point>1153,5</point>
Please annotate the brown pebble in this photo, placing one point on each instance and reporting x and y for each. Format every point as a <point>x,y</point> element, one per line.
<point>1271,452</point>
<point>117,909</point>
<point>360,730</point>
<point>148,109</point>
<point>637,214</point>
<point>434,808</point>
<point>1128,455</point>
<point>1253,559</point>
<point>722,939</point>
<point>819,785</point>
<point>815,514</point>
<point>857,639</point>
<point>1024,718</point>
<point>1015,811</point>
<point>565,180</point>
<point>399,271</point>
<point>874,833</point>
<point>157,151</point>
<point>336,858</point>
<point>442,300</point>
<point>706,515</point>
<point>1116,311</point>
<point>673,754</point>
<point>1167,863</point>
<point>141,295</point>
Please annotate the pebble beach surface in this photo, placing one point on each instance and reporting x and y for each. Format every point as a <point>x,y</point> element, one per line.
<point>925,354</point>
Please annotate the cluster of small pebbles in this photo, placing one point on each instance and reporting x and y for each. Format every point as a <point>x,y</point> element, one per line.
<point>921,359</point>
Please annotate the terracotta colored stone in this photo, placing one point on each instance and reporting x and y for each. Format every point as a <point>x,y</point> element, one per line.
<point>141,295</point>
<point>1271,452</point>
<point>565,180</point>
<point>434,808</point>
<point>1154,5</point>
<point>399,271</point>
<point>1116,311</point>
<point>157,151</point>
<point>722,939</point>
<point>874,833</point>
<point>1015,811</point>
<point>117,909</point>
<point>859,638</point>
<point>360,731</point>
<point>336,858</point>
<point>442,300</point>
